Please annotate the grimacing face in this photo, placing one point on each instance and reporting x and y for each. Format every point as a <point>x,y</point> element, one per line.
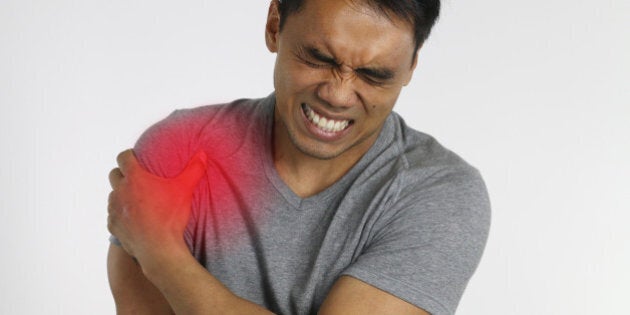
<point>340,67</point>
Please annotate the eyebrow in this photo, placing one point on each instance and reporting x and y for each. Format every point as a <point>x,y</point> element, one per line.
<point>377,73</point>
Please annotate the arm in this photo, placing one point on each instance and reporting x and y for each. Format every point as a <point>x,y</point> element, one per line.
<point>148,215</point>
<point>133,293</point>
<point>193,289</point>
<point>352,296</point>
<point>424,252</point>
<point>186,285</point>
<point>190,289</point>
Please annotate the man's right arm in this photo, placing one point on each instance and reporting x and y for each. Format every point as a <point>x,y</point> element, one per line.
<point>133,293</point>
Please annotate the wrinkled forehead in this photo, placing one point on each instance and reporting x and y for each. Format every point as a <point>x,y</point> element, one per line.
<point>352,31</point>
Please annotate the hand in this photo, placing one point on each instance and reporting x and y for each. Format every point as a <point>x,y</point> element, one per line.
<point>148,214</point>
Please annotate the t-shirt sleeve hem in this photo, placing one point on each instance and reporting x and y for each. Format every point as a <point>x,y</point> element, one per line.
<point>399,289</point>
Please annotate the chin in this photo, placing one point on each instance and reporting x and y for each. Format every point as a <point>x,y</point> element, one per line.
<point>318,152</point>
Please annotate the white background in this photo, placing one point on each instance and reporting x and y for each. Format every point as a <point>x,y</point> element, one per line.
<point>533,93</point>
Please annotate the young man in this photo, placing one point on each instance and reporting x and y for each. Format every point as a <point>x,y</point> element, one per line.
<point>316,199</point>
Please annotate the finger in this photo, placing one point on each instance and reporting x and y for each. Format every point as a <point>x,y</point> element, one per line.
<point>110,224</point>
<point>115,176</point>
<point>194,170</point>
<point>112,203</point>
<point>127,161</point>
<point>111,212</point>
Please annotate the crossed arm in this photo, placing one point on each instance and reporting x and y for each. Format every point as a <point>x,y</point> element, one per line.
<point>169,280</point>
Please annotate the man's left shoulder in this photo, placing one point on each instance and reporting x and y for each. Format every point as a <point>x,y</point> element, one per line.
<point>428,173</point>
<point>422,156</point>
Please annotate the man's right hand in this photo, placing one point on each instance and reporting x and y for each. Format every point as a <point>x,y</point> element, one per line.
<point>147,213</point>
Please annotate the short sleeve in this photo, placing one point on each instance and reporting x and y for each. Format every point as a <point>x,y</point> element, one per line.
<point>429,242</point>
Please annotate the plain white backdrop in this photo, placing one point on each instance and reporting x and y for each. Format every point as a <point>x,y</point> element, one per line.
<point>533,93</point>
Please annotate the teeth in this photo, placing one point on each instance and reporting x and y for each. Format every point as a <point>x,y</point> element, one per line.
<point>326,124</point>
<point>330,124</point>
<point>323,123</point>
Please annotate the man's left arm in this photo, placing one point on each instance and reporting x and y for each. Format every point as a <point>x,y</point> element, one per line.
<point>426,245</point>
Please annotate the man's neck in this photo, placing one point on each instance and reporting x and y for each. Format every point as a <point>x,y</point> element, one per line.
<point>307,175</point>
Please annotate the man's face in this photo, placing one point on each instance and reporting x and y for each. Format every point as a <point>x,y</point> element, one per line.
<point>339,70</point>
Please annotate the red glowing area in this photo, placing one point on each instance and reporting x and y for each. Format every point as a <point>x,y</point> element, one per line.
<point>231,192</point>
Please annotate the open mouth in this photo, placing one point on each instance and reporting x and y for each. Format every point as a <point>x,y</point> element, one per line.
<point>325,124</point>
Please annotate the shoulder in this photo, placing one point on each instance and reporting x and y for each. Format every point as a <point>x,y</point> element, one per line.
<point>424,162</point>
<point>422,151</point>
<point>166,146</point>
<point>434,198</point>
<point>432,175</point>
<point>412,173</point>
<point>433,226</point>
<point>190,121</point>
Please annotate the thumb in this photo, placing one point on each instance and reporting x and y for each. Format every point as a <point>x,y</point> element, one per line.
<point>194,170</point>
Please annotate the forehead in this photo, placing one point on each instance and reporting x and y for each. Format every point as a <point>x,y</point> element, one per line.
<point>353,32</point>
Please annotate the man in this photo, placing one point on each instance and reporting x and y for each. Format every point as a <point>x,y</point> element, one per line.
<point>316,199</point>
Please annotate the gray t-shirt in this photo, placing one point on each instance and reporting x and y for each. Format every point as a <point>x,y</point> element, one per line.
<point>410,218</point>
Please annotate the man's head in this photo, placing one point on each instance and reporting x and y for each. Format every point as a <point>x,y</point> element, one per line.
<point>422,14</point>
<point>340,67</point>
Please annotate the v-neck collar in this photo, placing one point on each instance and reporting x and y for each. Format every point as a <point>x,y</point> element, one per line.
<point>329,195</point>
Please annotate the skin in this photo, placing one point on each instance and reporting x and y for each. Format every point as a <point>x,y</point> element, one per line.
<point>148,214</point>
<point>325,61</point>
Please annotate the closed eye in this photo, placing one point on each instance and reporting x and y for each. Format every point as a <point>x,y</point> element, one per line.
<point>376,76</point>
<point>314,58</point>
<point>313,64</point>
<point>372,81</point>
<point>319,56</point>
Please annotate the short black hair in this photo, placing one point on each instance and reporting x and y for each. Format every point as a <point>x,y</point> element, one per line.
<point>422,14</point>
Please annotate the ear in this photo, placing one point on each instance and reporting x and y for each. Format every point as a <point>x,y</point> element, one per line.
<point>414,63</point>
<point>272,29</point>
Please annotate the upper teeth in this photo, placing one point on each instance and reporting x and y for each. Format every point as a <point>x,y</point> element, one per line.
<point>326,124</point>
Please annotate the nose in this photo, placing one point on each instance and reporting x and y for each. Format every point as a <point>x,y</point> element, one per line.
<point>339,89</point>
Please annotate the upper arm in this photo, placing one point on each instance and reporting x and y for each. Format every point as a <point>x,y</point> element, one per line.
<point>428,244</point>
<point>352,296</point>
<point>133,293</point>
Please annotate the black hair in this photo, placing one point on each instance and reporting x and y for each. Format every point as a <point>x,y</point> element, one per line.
<point>422,14</point>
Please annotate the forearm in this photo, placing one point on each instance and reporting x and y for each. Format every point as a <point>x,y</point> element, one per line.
<point>133,293</point>
<point>190,289</point>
